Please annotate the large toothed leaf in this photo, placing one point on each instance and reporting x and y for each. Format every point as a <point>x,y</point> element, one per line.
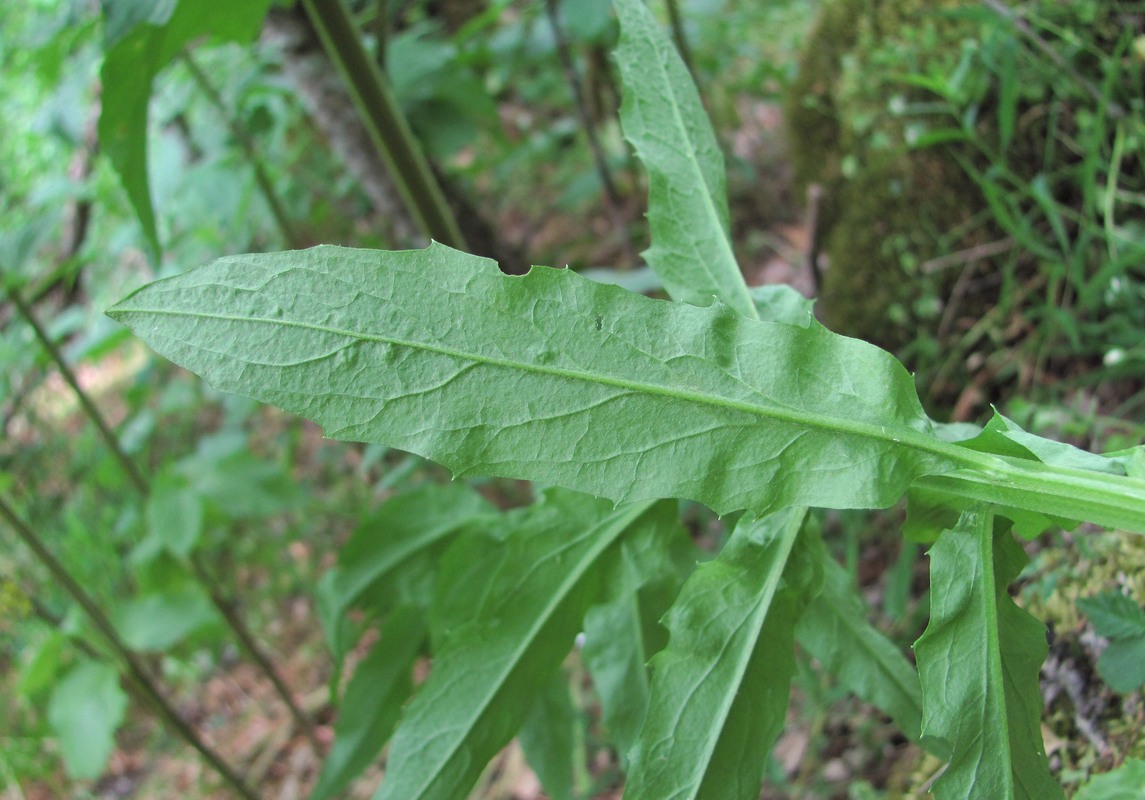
<point>834,629</point>
<point>979,660</point>
<point>521,621</point>
<point>663,118</point>
<point>720,688</point>
<point>549,377</point>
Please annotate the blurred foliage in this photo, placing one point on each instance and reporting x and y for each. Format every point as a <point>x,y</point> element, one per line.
<point>932,132</point>
<point>983,186</point>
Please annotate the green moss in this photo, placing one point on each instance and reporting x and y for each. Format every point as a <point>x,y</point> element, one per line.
<point>887,208</point>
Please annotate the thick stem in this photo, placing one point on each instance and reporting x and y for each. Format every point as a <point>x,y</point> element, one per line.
<point>237,626</point>
<point>243,137</point>
<point>135,668</point>
<point>384,120</point>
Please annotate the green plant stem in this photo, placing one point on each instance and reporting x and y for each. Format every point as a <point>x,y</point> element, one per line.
<point>1112,501</point>
<point>106,433</point>
<point>681,41</point>
<point>234,622</point>
<point>135,667</point>
<point>384,121</point>
<point>243,137</point>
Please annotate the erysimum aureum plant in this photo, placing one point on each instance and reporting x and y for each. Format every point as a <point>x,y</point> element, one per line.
<point>726,395</point>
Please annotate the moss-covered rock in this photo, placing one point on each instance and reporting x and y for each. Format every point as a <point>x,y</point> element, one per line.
<point>887,207</point>
<point>937,126</point>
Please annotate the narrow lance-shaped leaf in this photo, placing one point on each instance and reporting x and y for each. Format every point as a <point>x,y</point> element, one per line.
<point>522,621</point>
<point>978,661</point>
<point>373,701</point>
<point>552,739</point>
<point>550,377</point>
<point>663,118</point>
<point>834,629</point>
<point>720,688</point>
<point>138,47</point>
<point>403,527</point>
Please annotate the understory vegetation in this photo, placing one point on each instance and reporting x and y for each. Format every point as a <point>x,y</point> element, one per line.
<point>344,497</point>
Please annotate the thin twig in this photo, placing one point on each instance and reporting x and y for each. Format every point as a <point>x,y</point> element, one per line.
<point>105,431</point>
<point>611,195</point>
<point>135,666</point>
<point>250,149</point>
<point>386,124</point>
<point>677,23</point>
<point>237,626</point>
<point>961,257</point>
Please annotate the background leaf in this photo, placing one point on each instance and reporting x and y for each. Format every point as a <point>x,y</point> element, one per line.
<point>720,688</point>
<point>553,378</point>
<point>85,711</point>
<point>385,542</point>
<point>522,620</point>
<point>549,739</point>
<point>139,46</point>
<point>370,709</point>
<point>622,633</point>
<point>158,621</point>
<point>834,629</point>
<point>1123,783</point>
<point>978,660</point>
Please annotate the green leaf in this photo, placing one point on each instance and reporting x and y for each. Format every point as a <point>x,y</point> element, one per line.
<point>663,118</point>
<point>622,633</point>
<point>720,688</point>
<point>551,378</point>
<point>40,663</point>
<point>1122,664</point>
<point>1123,783</point>
<point>174,515</point>
<point>384,543</point>
<point>159,621</point>
<point>140,44</point>
<point>1114,615</point>
<point>979,660</point>
<point>489,669</point>
<point>834,629</point>
<point>549,739</point>
<point>1119,619</point>
<point>781,303</point>
<point>373,701</point>
<point>85,710</point>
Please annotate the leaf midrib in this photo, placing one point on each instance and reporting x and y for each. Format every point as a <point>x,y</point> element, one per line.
<point>623,519</point>
<point>902,436</point>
